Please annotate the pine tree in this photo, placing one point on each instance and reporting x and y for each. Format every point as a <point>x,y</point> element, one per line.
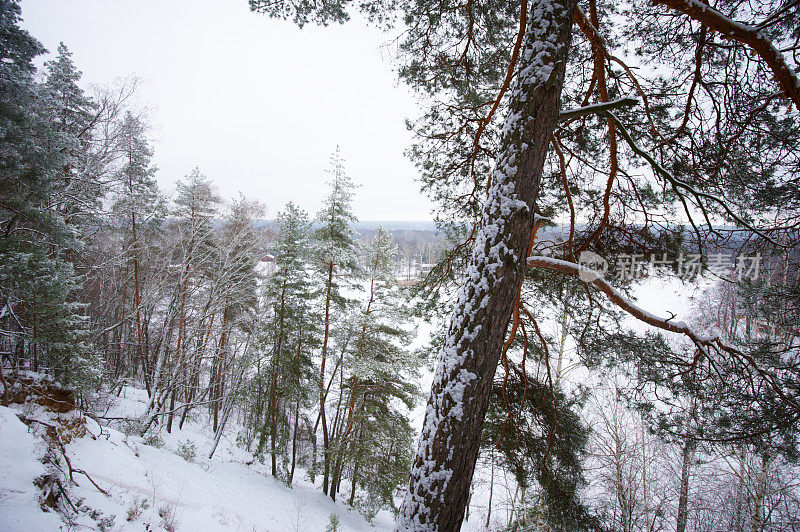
<point>335,257</point>
<point>37,285</point>
<point>233,292</point>
<point>139,208</point>
<point>196,204</point>
<point>74,115</point>
<point>494,73</point>
<point>372,441</point>
<point>290,335</point>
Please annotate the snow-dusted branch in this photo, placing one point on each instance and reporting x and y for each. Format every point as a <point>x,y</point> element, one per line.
<point>538,261</point>
<point>598,108</point>
<point>744,34</point>
<point>702,342</point>
<point>677,183</point>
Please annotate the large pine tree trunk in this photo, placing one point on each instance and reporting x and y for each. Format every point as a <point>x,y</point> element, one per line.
<point>450,441</point>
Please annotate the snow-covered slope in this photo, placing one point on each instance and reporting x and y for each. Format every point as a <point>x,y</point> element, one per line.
<point>151,488</point>
<point>19,467</point>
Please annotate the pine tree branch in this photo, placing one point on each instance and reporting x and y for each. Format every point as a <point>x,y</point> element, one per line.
<point>750,36</point>
<point>597,108</point>
<point>677,183</point>
<point>621,301</point>
<point>702,342</point>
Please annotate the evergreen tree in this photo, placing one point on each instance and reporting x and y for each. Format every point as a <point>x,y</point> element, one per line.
<point>139,208</point>
<point>336,259</point>
<point>372,441</point>
<point>536,434</point>
<point>37,286</point>
<point>494,74</point>
<point>78,191</point>
<point>290,335</point>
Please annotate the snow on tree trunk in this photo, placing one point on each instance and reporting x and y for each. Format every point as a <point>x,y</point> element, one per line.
<point>450,440</point>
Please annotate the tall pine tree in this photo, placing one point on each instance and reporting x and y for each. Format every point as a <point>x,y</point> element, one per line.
<point>336,259</point>
<point>42,323</point>
<point>291,332</point>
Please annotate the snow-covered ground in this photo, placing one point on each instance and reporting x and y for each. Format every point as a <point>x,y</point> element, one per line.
<point>153,488</point>
<point>19,467</point>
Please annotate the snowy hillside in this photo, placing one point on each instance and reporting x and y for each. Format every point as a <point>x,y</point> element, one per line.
<point>151,488</point>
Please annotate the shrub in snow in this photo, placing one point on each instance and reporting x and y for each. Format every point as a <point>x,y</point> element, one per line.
<point>130,426</point>
<point>168,520</point>
<point>136,508</point>
<point>368,506</point>
<point>187,450</point>
<point>333,523</point>
<point>153,439</point>
<point>105,523</point>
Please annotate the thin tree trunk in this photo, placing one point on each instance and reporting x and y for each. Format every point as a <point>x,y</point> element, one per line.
<point>196,377</point>
<point>226,412</point>
<point>683,495</point>
<point>276,358</point>
<point>218,434</point>
<point>5,385</point>
<point>645,498</point>
<point>562,341</point>
<point>491,490</point>
<point>294,439</point>
<point>740,491</point>
<point>296,407</point>
<point>450,441</point>
<point>217,387</point>
<point>171,414</point>
<point>35,341</point>
<point>353,485</point>
<point>137,301</point>
<point>179,358</point>
<point>325,438</point>
<point>761,493</point>
<point>122,323</point>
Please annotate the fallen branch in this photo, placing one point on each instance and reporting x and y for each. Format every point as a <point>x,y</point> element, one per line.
<point>54,434</point>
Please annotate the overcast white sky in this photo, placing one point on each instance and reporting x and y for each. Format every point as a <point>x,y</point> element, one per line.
<point>258,104</point>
